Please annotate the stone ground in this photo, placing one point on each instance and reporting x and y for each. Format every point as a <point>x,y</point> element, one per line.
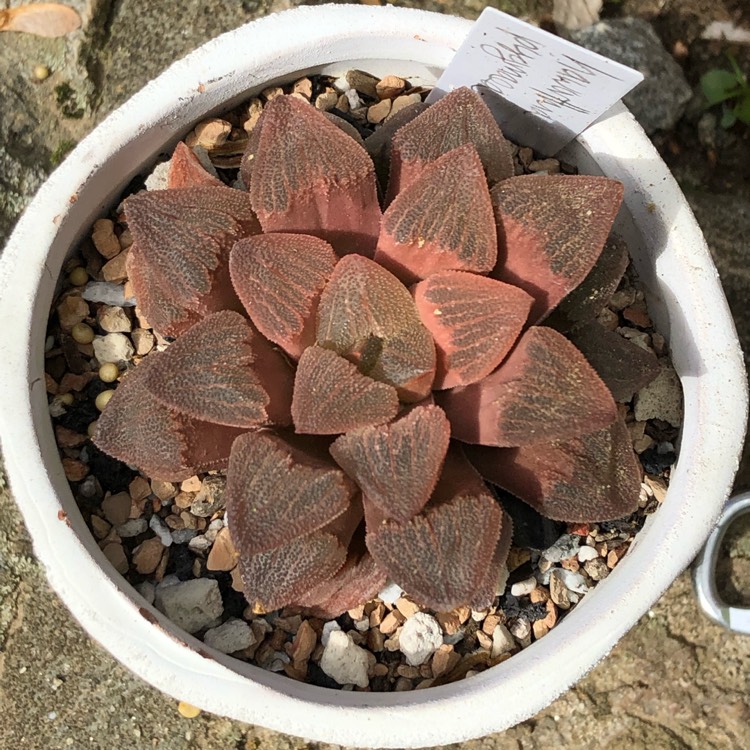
<point>674,682</point>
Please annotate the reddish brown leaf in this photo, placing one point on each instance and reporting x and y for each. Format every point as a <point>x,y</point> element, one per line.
<point>595,477</point>
<point>309,177</point>
<point>277,492</point>
<point>545,390</point>
<point>185,170</point>
<point>366,315</point>
<point>331,396</point>
<point>138,429</point>
<point>183,238</point>
<point>440,557</point>
<point>474,321</point>
<point>459,118</point>
<point>211,373</point>
<point>279,278</point>
<point>397,465</point>
<point>428,228</point>
<point>551,229</point>
<point>591,296</point>
<point>485,594</point>
<point>283,575</point>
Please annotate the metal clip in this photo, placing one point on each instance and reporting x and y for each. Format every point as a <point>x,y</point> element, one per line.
<point>704,571</point>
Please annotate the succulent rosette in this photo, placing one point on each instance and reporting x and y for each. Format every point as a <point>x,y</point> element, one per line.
<point>360,372</point>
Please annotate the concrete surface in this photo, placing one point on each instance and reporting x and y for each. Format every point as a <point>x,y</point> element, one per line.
<point>674,682</point>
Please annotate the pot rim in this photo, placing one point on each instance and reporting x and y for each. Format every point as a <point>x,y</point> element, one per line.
<point>681,281</point>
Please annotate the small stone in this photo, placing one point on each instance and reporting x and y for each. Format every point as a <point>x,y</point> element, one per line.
<point>390,593</point>
<point>540,629</point>
<point>566,546</point>
<point>160,529</point>
<point>113,320</point>
<point>72,310</point>
<point>192,605</point>
<point>597,569</point>
<point>608,319</point>
<point>558,590</point>
<point>363,82</point>
<point>109,293</point>
<point>114,270</point>
<point>271,93</point>
<point>139,489</point>
<point>378,112</point>
<point>183,536</point>
<point>502,641</point>
<point>303,644</point>
<point>328,628</point>
<point>41,72</point>
<point>575,14</point>
<point>223,555</point>
<point>159,177</point>
<point>114,347</point>
<point>147,590</point>
<point>187,710</point>
<point>116,555</point>
<point>406,607</point>
<point>661,398</point>
<point>658,487</point>
<point>444,660</point>
<point>391,621</point>
<point>210,497</point>
<point>523,588</point>
<point>163,490</point>
<point>344,661</point>
<point>132,527</point>
<point>214,528</point>
<point>67,438</point>
<point>232,635</point>
<point>449,622</point>
<point>342,103</point>
<point>326,101</point>
<point>586,553</point>
<point>104,238</point>
<point>420,637</point>
<point>304,87</point>
<point>147,555</point>
<point>212,133</point>
<point>637,315</point>
<point>545,166</point>
<point>143,341</point>
<point>390,87</point>
<point>520,629</point>
<point>199,544</point>
<point>116,508</point>
<point>254,111</point>
<point>639,338</point>
<point>615,555</point>
<point>193,484</point>
<point>100,527</point>
<point>354,101</point>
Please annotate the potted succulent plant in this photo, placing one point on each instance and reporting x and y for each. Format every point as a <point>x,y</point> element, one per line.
<point>390,358</point>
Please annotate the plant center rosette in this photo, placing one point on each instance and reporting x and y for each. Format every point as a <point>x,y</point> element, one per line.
<point>361,371</point>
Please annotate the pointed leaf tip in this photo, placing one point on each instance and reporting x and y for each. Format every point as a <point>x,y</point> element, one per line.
<point>474,321</point>
<point>186,170</point>
<point>544,390</point>
<point>428,228</point>
<point>397,465</point>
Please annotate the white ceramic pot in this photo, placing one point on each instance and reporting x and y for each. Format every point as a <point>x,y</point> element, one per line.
<point>684,297</point>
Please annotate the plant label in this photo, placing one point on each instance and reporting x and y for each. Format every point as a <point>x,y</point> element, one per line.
<point>543,90</point>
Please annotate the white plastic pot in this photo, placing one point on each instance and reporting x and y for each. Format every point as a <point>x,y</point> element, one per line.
<point>684,297</point>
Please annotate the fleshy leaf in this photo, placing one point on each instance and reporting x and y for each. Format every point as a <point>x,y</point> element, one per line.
<point>621,364</point>
<point>474,321</point>
<point>441,556</point>
<point>486,592</point>
<point>309,177</point>
<point>591,296</point>
<point>140,430</point>
<point>544,390</point>
<point>366,315</point>
<point>331,396</point>
<point>185,170</point>
<point>279,278</point>
<point>276,491</point>
<point>458,119</point>
<point>183,238</point>
<point>550,232</point>
<point>594,477</point>
<point>281,576</point>
<point>211,373</point>
<point>428,228</point>
<point>397,465</point>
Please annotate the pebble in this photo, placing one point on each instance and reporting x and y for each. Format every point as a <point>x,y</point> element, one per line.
<point>572,580</point>
<point>210,497</point>
<point>114,347</point>
<point>100,527</point>
<point>404,101</point>
<point>558,591</point>
<point>113,319</point>
<point>147,590</point>
<point>107,292</point>
<point>304,642</point>
<point>329,627</point>
<point>147,555</point>
<point>114,270</point>
<point>160,529</point>
<point>378,112</point>
<point>545,166</point>
<point>362,82</point>
<point>390,593</point>
<point>159,177</point>
<point>192,484</point>
<point>213,529</point>
<point>116,555</point>
<point>566,546</point>
<point>143,341</point>
<point>132,527</point>
<point>212,133</point>
<point>192,605</point>
<point>254,111</point>
<point>116,508</point>
<point>520,629</point>
<point>232,635</point>
<point>523,588</point>
<point>187,710</point>
<point>502,641</point>
<point>223,555</point>
<point>199,544</point>
<point>586,553</point>
<point>419,639</point>
<point>406,607</point>
<point>597,569</point>
<point>661,398</point>
<point>326,101</point>
<point>104,238</point>
<point>72,310</point>
<point>354,101</point>
<point>390,87</point>
<point>304,87</point>
<point>183,536</point>
<point>344,661</point>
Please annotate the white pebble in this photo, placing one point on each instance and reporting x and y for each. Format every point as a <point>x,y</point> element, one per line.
<point>587,553</point>
<point>107,292</point>
<point>341,85</point>
<point>344,661</point>
<point>354,101</point>
<point>502,641</point>
<point>114,347</point>
<point>157,180</point>
<point>572,580</point>
<point>160,529</point>
<point>329,627</point>
<point>191,605</point>
<point>523,588</point>
<point>362,625</point>
<point>564,548</point>
<point>420,638</point>
<point>132,527</point>
<point>231,636</point>
<point>199,544</point>
<point>390,593</point>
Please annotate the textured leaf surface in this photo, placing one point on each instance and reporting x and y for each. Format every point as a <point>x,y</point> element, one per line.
<point>595,477</point>
<point>441,556</point>
<point>210,373</point>
<point>183,238</point>
<point>591,296</point>
<point>397,465</point>
<point>621,364</point>
<point>140,430</point>
<point>428,227</point>
<point>366,315</point>
<point>486,592</point>
<point>185,170</point>
<point>279,278</point>
<point>309,177</point>
<point>281,576</point>
<point>474,322</point>
<point>331,396</point>
<point>545,390</point>
<point>277,492</point>
<point>458,119</point>
<point>551,230</point>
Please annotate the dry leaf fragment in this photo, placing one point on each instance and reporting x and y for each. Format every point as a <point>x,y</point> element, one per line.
<point>42,19</point>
